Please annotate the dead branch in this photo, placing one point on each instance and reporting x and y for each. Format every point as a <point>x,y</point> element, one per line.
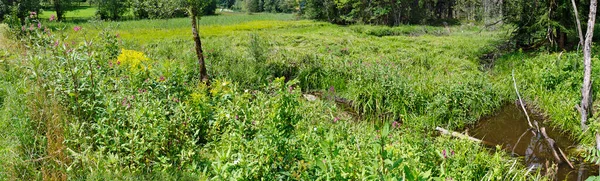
<point>578,24</point>
<point>462,136</point>
<point>521,100</point>
<point>555,149</point>
<point>519,140</point>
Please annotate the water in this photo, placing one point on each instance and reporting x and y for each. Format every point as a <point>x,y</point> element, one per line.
<point>509,124</point>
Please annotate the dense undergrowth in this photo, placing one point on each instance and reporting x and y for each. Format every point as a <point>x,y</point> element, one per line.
<point>94,104</point>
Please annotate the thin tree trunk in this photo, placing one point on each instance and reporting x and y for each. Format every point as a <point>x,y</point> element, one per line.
<point>199,53</point>
<point>578,22</point>
<point>451,9</point>
<point>501,10</point>
<point>59,10</point>
<point>586,90</point>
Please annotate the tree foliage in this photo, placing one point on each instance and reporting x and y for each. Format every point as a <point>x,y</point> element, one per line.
<point>61,7</point>
<point>544,22</point>
<point>386,12</point>
<point>227,3</point>
<point>21,8</point>
<point>159,9</point>
<point>3,10</point>
<point>112,9</point>
<point>156,9</point>
<point>273,6</point>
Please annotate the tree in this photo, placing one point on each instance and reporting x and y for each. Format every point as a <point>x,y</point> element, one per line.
<point>210,6</point>
<point>227,3</point>
<point>156,9</point>
<point>112,9</point>
<point>252,6</point>
<point>3,10</point>
<point>585,108</point>
<point>194,9</point>
<point>21,8</point>
<point>394,12</point>
<point>544,23</point>
<point>61,7</point>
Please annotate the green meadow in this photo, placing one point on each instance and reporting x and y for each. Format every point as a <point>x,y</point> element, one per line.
<point>79,13</point>
<point>289,100</point>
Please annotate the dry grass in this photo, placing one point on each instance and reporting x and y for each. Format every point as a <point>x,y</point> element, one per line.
<point>48,118</point>
<point>3,38</point>
<point>5,42</point>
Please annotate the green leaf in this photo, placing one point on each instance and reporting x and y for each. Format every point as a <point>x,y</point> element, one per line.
<point>424,176</point>
<point>386,130</point>
<point>396,163</point>
<point>408,175</point>
<point>593,178</point>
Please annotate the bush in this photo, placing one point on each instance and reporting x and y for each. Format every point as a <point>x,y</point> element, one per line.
<point>210,8</point>
<point>112,9</point>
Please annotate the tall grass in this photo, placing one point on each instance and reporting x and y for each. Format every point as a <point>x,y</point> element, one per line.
<point>156,120</point>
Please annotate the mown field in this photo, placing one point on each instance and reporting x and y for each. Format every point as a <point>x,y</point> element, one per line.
<point>122,100</point>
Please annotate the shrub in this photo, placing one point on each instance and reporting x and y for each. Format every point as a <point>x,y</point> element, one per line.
<point>112,9</point>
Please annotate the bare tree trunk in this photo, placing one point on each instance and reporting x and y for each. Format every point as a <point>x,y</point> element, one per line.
<point>578,22</point>
<point>500,5</point>
<point>199,53</point>
<point>586,91</point>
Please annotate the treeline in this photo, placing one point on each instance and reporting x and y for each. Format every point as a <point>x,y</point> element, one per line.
<point>539,23</point>
<point>385,12</point>
<point>273,6</point>
<point>106,9</point>
<point>396,12</point>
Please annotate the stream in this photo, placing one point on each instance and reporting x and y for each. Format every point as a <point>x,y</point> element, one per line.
<point>506,126</point>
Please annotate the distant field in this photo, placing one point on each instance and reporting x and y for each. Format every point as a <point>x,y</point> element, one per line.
<point>80,12</point>
<point>143,31</point>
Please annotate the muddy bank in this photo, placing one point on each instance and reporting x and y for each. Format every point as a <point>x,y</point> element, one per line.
<point>508,127</point>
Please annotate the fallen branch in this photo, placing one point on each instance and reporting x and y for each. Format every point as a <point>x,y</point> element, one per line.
<point>492,24</point>
<point>554,147</point>
<point>542,131</point>
<point>495,23</point>
<point>519,140</point>
<point>460,135</point>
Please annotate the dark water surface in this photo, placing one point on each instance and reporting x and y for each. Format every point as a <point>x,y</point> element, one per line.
<point>505,128</point>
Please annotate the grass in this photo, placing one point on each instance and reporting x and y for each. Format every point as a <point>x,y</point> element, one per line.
<point>157,120</point>
<point>146,31</point>
<point>78,13</point>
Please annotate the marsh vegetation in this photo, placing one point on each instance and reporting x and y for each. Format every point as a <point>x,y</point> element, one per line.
<point>287,97</point>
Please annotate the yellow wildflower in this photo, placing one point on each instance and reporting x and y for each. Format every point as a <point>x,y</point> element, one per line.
<point>135,60</point>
